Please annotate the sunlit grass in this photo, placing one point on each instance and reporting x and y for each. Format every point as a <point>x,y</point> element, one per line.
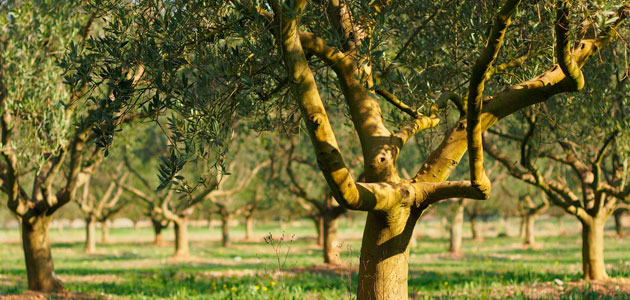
<point>133,268</point>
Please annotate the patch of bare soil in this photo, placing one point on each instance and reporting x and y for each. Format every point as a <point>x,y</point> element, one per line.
<point>615,288</point>
<point>30,295</point>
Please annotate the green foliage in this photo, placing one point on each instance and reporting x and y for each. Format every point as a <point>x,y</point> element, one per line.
<point>35,36</point>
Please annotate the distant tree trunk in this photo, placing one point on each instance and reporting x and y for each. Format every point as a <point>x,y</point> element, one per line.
<point>530,230</point>
<point>457,224</point>
<point>210,222</point>
<point>523,230</point>
<point>619,222</point>
<point>249,226</point>
<point>319,228</point>
<point>90,235</point>
<point>331,252</point>
<point>105,232</point>
<point>474,227</point>
<point>157,229</point>
<point>225,227</point>
<point>39,264</point>
<point>593,249</point>
<point>181,237</point>
<point>136,225</point>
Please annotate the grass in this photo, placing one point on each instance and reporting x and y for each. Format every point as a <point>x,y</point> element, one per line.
<point>132,268</point>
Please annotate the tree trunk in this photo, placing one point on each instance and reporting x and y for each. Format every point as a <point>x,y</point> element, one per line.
<point>530,230</point>
<point>90,235</point>
<point>474,227</point>
<point>225,230</point>
<point>157,229</point>
<point>249,227</point>
<point>331,252</point>
<point>319,228</point>
<point>619,222</point>
<point>181,237</point>
<point>523,230</point>
<point>384,261</point>
<point>37,255</point>
<point>593,249</point>
<point>105,232</point>
<point>457,225</point>
<point>136,225</point>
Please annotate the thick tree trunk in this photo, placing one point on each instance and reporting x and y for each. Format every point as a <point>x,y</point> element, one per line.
<point>157,229</point>
<point>384,262</point>
<point>37,255</point>
<point>331,252</point>
<point>225,230</point>
<point>105,232</point>
<point>619,222</point>
<point>593,249</point>
<point>530,230</point>
<point>457,225</point>
<point>474,227</point>
<point>90,235</point>
<point>181,237</point>
<point>249,227</point>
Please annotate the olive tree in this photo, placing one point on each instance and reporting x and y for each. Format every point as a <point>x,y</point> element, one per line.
<point>266,59</point>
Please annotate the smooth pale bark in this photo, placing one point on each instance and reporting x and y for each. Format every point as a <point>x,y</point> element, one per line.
<point>593,249</point>
<point>157,230</point>
<point>331,250</point>
<point>225,230</point>
<point>90,235</point>
<point>530,231</point>
<point>249,227</point>
<point>181,237</point>
<point>105,232</point>
<point>37,255</point>
<point>457,224</point>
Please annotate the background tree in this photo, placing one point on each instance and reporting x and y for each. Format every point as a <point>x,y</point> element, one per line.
<point>600,193</point>
<point>99,204</point>
<point>46,129</point>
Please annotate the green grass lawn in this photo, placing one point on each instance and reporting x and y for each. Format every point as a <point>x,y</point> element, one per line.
<point>132,268</point>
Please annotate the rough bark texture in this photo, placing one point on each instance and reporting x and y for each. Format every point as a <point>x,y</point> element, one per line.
<point>157,230</point>
<point>90,235</point>
<point>37,255</point>
<point>593,250</point>
<point>331,247</point>
<point>225,230</point>
<point>457,224</point>
<point>181,237</point>
<point>105,232</point>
